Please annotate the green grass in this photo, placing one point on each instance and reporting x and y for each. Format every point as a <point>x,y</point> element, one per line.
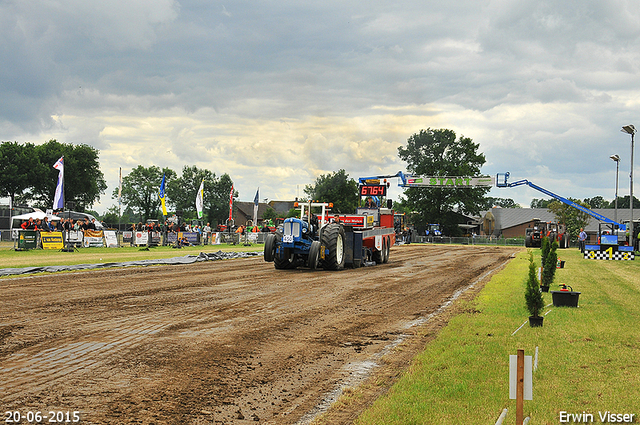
<point>588,356</point>
<point>38,257</point>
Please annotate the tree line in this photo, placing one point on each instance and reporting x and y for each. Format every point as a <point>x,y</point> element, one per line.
<point>29,178</point>
<point>141,187</point>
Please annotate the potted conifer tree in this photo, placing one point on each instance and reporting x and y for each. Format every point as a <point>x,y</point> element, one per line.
<point>533,296</point>
<point>549,267</point>
<point>545,247</point>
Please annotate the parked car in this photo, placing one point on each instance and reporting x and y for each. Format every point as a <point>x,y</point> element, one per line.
<point>75,215</point>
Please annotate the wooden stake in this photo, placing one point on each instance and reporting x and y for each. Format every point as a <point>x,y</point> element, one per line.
<point>520,389</point>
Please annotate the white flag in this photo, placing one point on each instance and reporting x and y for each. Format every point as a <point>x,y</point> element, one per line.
<point>120,188</point>
<point>200,199</point>
<point>58,198</point>
<point>255,208</point>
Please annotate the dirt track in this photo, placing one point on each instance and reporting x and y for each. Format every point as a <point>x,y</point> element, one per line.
<point>222,342</point>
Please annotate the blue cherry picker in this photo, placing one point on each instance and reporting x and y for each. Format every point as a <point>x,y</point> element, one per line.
<point>608,246</point>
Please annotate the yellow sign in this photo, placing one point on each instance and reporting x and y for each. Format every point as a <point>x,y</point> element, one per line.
<point>51,240</point>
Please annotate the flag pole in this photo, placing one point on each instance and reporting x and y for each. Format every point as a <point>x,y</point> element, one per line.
<point>119,199</point>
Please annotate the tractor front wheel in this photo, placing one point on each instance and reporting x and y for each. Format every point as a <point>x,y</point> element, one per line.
<point>314,255</point>
<point>288,260</point>
<point>333,243</point>
<point>269,247</point>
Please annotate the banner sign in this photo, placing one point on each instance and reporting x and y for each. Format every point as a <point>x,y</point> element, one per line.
<point>450,181</point>
<point>142,238</point>
<point>93,238</point>
<point>51,240</point>
<point>75,236</point>
<point>27,239</point>
<point>111,238</point>
<point>127,236</point>
<point>156,238</point>
<point>192,237</point>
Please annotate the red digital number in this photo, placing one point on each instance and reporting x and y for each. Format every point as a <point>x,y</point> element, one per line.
<point>373,190</point>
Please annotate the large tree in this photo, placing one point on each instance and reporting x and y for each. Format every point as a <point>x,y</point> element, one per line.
<point>18,165</point>
<point>182,192</point>
<point>572,217</point>
<point>437,152</point>
<point>217,206</point>
<point>83,180</point>
<point>540,203</point>
<point>597,202</point>
<point>140,189</point>
<point>490,202</point>
<point>337,188</point>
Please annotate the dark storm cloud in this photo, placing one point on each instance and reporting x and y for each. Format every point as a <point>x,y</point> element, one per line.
<point>295,89</point>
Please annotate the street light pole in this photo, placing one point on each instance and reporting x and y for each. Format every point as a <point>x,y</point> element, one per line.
<point>630,129</point>
<point>616,158</point>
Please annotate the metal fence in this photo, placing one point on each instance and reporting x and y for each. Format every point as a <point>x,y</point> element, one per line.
<point>469,241</point>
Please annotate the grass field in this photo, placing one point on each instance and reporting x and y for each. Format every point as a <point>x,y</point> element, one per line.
<point>588,356</point>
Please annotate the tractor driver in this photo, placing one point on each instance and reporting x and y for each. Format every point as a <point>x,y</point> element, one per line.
<point>314,221</point>
<point>369,203</point>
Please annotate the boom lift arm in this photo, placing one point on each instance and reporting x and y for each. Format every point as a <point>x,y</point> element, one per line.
<point>501,181</point>
<point>409,180</point>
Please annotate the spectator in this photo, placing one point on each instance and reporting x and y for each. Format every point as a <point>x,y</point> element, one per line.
<point>207,233</point>
<point>28,224</point>
<point>265,227</point>
<point>582,237</point>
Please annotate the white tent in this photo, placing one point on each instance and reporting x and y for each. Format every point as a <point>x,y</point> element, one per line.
<point>17,220</point>
<point>37,214</point>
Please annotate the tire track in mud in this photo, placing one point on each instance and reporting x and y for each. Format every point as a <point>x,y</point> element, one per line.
<point>233,341</point>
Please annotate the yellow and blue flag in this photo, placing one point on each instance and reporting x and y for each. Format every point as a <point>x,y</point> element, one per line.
<point>162,197</point>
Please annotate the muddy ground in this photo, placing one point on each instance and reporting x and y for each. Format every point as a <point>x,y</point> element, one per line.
<point>232,341</point>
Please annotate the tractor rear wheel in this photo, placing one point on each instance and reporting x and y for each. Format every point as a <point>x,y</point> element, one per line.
<point>378,255</point>
<point>528,242</point>
<point>333,242</point>
<point>385,250</point>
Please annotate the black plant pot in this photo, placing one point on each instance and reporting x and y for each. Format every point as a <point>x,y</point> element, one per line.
<point>544,288</point>
<point>535,321</point>
<point>565,298</point>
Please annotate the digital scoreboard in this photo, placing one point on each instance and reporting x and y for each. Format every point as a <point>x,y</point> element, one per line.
<point>373,190</point>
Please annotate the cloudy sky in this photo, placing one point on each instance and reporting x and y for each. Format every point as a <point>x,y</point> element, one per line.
<point>275,93</point>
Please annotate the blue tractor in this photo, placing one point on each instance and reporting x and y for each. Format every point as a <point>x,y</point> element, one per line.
<point>307,242</point>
